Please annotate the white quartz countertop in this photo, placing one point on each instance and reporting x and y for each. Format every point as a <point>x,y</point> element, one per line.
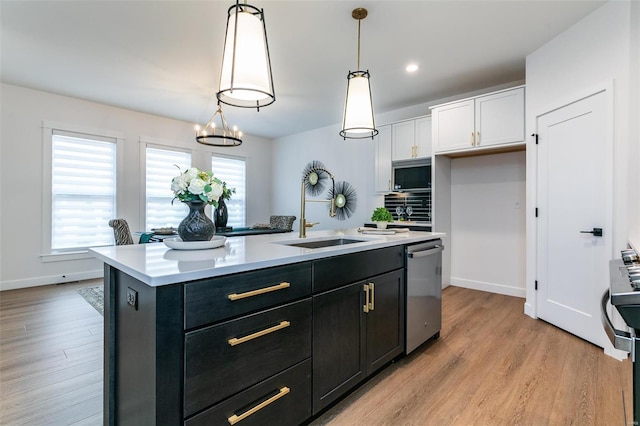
<point>156,265</point>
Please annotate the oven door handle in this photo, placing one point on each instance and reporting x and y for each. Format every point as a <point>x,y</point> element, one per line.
<point>620,339</point>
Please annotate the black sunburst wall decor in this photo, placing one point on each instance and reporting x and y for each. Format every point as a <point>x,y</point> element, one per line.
<point>315,176</point>
<point>346,199</point>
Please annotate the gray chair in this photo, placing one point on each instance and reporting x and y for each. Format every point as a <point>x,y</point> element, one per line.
<point>121,232</point>
<point>282,222</point>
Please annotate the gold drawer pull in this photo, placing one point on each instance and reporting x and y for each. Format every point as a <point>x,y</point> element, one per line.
<point>280,286</point>
<point>235,419</point>
<point>235,341</point>
<point>365,308</point>
<point>372,287</point>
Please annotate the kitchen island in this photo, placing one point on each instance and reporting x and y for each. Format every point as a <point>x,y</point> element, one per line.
<point>236,334</point>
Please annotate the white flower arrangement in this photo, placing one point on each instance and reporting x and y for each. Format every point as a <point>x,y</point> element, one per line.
<point>195,185</point>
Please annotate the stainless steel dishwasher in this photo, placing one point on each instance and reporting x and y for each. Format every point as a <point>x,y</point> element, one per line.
<point>424,293</point>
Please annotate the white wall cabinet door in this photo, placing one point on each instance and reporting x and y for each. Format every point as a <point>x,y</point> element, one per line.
<point>383,159</point>
<point>454,126</point>
<point>404,134</point>
<point>423,147</point>
<point>499,118</point>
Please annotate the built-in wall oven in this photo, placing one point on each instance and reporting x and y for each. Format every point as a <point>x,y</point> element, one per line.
<point>424,293</point>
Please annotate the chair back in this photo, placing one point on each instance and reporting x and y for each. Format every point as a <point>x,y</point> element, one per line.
<point>121,232</point>
<point>282,222</point>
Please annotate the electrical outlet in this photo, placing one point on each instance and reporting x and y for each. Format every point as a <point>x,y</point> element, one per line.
<point>132,298</point>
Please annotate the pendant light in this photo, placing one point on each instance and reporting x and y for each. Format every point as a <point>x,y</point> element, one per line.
<point>358,121</point>
<point>218,135</point>
<point>246,80</point>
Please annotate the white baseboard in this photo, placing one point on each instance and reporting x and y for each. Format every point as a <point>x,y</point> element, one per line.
<point>52,279</point>
<point>528,310</point>
<point>489,287</point>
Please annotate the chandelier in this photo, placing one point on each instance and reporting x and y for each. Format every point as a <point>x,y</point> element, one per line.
<point>218,134</point>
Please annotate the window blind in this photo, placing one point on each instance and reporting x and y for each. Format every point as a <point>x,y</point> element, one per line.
<point>160,170</point>
<point>83,186</point>
<point>232,171</point>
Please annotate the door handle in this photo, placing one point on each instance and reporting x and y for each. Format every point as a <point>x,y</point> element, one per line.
<point>597,232</point>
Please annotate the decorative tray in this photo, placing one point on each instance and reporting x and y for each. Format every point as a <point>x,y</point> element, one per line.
<point>378,231</point>
<point>163,231</point>
<point>178,244</point>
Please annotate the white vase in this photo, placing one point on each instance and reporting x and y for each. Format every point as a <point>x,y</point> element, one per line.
<point>381,225</point>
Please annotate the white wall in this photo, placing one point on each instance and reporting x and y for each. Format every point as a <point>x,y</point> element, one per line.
<point>350,161</point>
<point>21,177</point>
<point>487,223</point>
<point>592,52</point>
<point>634,128</point>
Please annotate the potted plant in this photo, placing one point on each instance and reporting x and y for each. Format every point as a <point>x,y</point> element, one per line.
<point>381,217</point>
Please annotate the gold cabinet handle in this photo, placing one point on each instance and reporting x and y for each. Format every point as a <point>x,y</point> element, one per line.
<point>389,184</point>
<point>236,341</point>
<point>280,286</point>
<point>365,308</point>
<point>478,137</point>
<point>472,139</point>
<point>235,419</point>
<point>372,299</point>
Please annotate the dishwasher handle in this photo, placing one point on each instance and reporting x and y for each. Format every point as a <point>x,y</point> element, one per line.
<point>423,253</point>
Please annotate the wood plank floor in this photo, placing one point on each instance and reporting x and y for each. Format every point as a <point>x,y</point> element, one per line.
<point>492,366</point>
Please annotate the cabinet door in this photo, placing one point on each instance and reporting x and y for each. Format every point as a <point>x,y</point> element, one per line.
<point>453,126</point>
<point>403,140</point>
<point>385,322</point>
<point>338,343</point>
<point>500,118</point>
<point>423,138</point>
<point>383,159</point>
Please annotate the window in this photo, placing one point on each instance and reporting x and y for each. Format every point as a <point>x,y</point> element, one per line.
<point>83,190</point>
<point>160,169</point>
<point>232,171</point>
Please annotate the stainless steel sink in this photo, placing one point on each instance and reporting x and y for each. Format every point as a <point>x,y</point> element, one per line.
<point>324,243</point>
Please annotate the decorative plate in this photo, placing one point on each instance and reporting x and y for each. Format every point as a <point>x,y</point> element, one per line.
<point>178,244</point>
<point>163,231</point>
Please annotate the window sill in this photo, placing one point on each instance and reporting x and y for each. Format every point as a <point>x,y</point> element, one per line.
<point>65,256</point>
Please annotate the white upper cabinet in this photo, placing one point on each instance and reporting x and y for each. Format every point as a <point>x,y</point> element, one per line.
<point>383,159</point>
<point>404,134</point>
<point>485,121</point>
<point>423,145</point>
<point>453,126</point>
<point>411,139</point>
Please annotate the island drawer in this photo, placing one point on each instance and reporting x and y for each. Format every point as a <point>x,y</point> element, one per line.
<point>284,399</point>
<point>217,299</point>
<point>334,272</point>
<point>224,359</point>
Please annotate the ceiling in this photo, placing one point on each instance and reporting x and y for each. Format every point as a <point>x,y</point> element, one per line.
<point>164,57</point>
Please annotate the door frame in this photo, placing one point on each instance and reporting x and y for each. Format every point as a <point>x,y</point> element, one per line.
<point>606,87</point>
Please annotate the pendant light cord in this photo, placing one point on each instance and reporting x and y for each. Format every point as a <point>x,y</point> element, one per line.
<point>359,44</point>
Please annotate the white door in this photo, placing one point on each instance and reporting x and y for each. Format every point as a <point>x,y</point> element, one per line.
<point>574,196</point>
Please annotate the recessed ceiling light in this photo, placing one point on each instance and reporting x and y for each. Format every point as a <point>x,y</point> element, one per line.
<point>412,68</point>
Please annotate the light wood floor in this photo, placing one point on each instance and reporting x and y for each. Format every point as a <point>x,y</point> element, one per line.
<point>491,366</point>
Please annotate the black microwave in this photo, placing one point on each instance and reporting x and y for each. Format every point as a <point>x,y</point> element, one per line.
<point>412,175</point>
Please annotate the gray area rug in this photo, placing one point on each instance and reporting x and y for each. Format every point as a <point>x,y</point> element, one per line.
<point>95,297</point>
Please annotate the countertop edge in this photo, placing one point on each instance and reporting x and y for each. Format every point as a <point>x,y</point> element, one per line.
<point>264,255</point>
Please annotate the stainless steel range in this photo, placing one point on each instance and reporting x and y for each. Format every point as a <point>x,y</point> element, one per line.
<point>624,294</point>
